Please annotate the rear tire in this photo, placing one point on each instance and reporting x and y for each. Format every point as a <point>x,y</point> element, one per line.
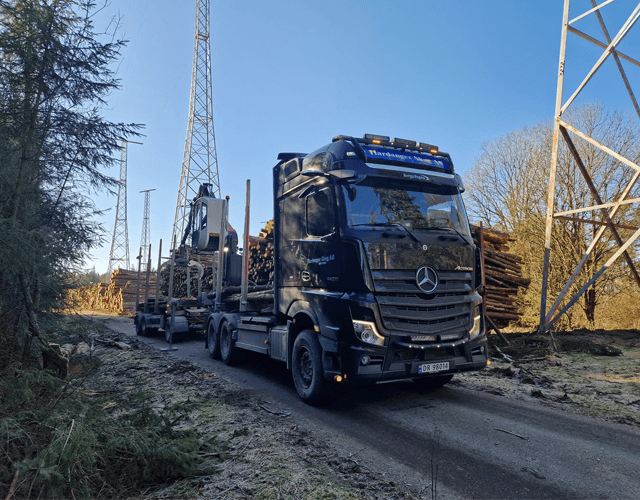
<point>145,330</point>
<point>213,341</point>
<point>139,327</point>
<point>306,368</point>
<point>433,383</point>
<point>228,351</point>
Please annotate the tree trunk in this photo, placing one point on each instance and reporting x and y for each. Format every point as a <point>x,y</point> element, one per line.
<point>590,306</point>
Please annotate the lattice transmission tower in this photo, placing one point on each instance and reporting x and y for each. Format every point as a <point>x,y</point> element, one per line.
<point>200,162</point>
<point>119,255</point>
<point>146,229</point>
<point>609,216</point>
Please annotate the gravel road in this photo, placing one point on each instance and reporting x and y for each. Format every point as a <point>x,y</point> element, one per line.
<point>483,445</point>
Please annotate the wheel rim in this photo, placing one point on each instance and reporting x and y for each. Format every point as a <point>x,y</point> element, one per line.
<point>225,341</point>
<point>305,365</point>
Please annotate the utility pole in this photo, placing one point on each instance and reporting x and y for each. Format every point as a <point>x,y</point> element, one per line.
<point>200,162</point>
<point>144,239</point>
<point>119,255</point>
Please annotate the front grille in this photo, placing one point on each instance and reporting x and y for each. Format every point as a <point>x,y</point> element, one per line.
<point>406,309</point>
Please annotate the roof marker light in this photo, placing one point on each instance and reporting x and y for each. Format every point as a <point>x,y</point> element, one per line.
<point>376,139</point>
<point>403,143</point>
<point>423,146</point>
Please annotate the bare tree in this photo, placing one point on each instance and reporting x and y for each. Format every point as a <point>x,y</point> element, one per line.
<point>508,189</point>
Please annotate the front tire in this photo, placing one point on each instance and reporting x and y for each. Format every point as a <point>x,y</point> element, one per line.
<point>213,341</point>
<point>306,367</point>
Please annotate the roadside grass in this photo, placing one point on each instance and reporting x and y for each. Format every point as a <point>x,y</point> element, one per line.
<point>139,423</point>
<point>79,439</point>
<point>102,432</point>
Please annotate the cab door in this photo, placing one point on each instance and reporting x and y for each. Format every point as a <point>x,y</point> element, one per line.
<point>321,243</point>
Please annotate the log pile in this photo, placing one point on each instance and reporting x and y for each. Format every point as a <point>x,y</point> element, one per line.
<point>261,256</point>
<point>503,277</point>
<point>118,296</point>
<point>203,269</point>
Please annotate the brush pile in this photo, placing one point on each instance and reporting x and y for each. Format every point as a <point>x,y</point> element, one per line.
<point>503,276</point>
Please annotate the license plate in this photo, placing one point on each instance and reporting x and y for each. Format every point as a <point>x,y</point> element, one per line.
<point>433,367</point>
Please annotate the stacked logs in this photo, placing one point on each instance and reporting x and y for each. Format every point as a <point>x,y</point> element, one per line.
<point>118,296</point>
<point>202,268</point>
<point>261,256</point>
<point>127,282</point>
<point>503,277</point>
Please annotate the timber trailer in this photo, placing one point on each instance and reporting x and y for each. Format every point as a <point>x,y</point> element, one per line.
<point>188,314</point>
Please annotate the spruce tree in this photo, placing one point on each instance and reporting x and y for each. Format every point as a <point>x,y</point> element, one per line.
<point>55,76</point>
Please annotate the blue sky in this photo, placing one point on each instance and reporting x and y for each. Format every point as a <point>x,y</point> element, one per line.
<point>288,75</point>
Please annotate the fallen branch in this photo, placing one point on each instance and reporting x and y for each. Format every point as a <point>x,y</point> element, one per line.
<point>279,413</point>
<point>505,356</point>
<point>513,434</point>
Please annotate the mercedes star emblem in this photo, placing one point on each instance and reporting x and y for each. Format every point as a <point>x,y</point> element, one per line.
<point>426,279</point>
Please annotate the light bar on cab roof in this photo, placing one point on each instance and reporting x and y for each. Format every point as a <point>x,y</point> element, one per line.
<point>376,139</point>
<point>403,143</point>
<point>422,146</point>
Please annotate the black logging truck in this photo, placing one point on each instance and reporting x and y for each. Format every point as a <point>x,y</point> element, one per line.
<point>376,275</point>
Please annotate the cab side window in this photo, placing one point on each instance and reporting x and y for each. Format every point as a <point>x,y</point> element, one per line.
<point>319,213</point>
<point>204,216</point>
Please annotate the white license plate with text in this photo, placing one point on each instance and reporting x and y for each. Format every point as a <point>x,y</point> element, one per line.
<point>433,367</point>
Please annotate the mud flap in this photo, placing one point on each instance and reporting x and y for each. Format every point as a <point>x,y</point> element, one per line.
<point>330,358</point>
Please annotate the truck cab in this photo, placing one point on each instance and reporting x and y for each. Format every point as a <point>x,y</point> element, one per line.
<point>374,252</point>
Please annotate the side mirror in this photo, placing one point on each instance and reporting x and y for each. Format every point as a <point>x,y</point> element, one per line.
<point>343,174</point>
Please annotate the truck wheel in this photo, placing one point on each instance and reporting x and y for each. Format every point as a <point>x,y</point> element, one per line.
<point>213,341</point>
<point>228,351</point>
<point>306,367</point>
<point>145,331</point>
<point>433,383</point>
<point>139,327</point>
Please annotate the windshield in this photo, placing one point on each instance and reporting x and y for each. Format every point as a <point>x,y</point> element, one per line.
<point>417,207</point>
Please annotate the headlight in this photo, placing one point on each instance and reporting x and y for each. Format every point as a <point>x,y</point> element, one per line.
<point>367,332</point>
<point>477,322</point>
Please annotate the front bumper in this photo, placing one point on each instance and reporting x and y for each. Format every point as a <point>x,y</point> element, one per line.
<point>401,361</point>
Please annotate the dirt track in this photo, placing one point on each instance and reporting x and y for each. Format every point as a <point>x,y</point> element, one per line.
<point>496,435</point>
